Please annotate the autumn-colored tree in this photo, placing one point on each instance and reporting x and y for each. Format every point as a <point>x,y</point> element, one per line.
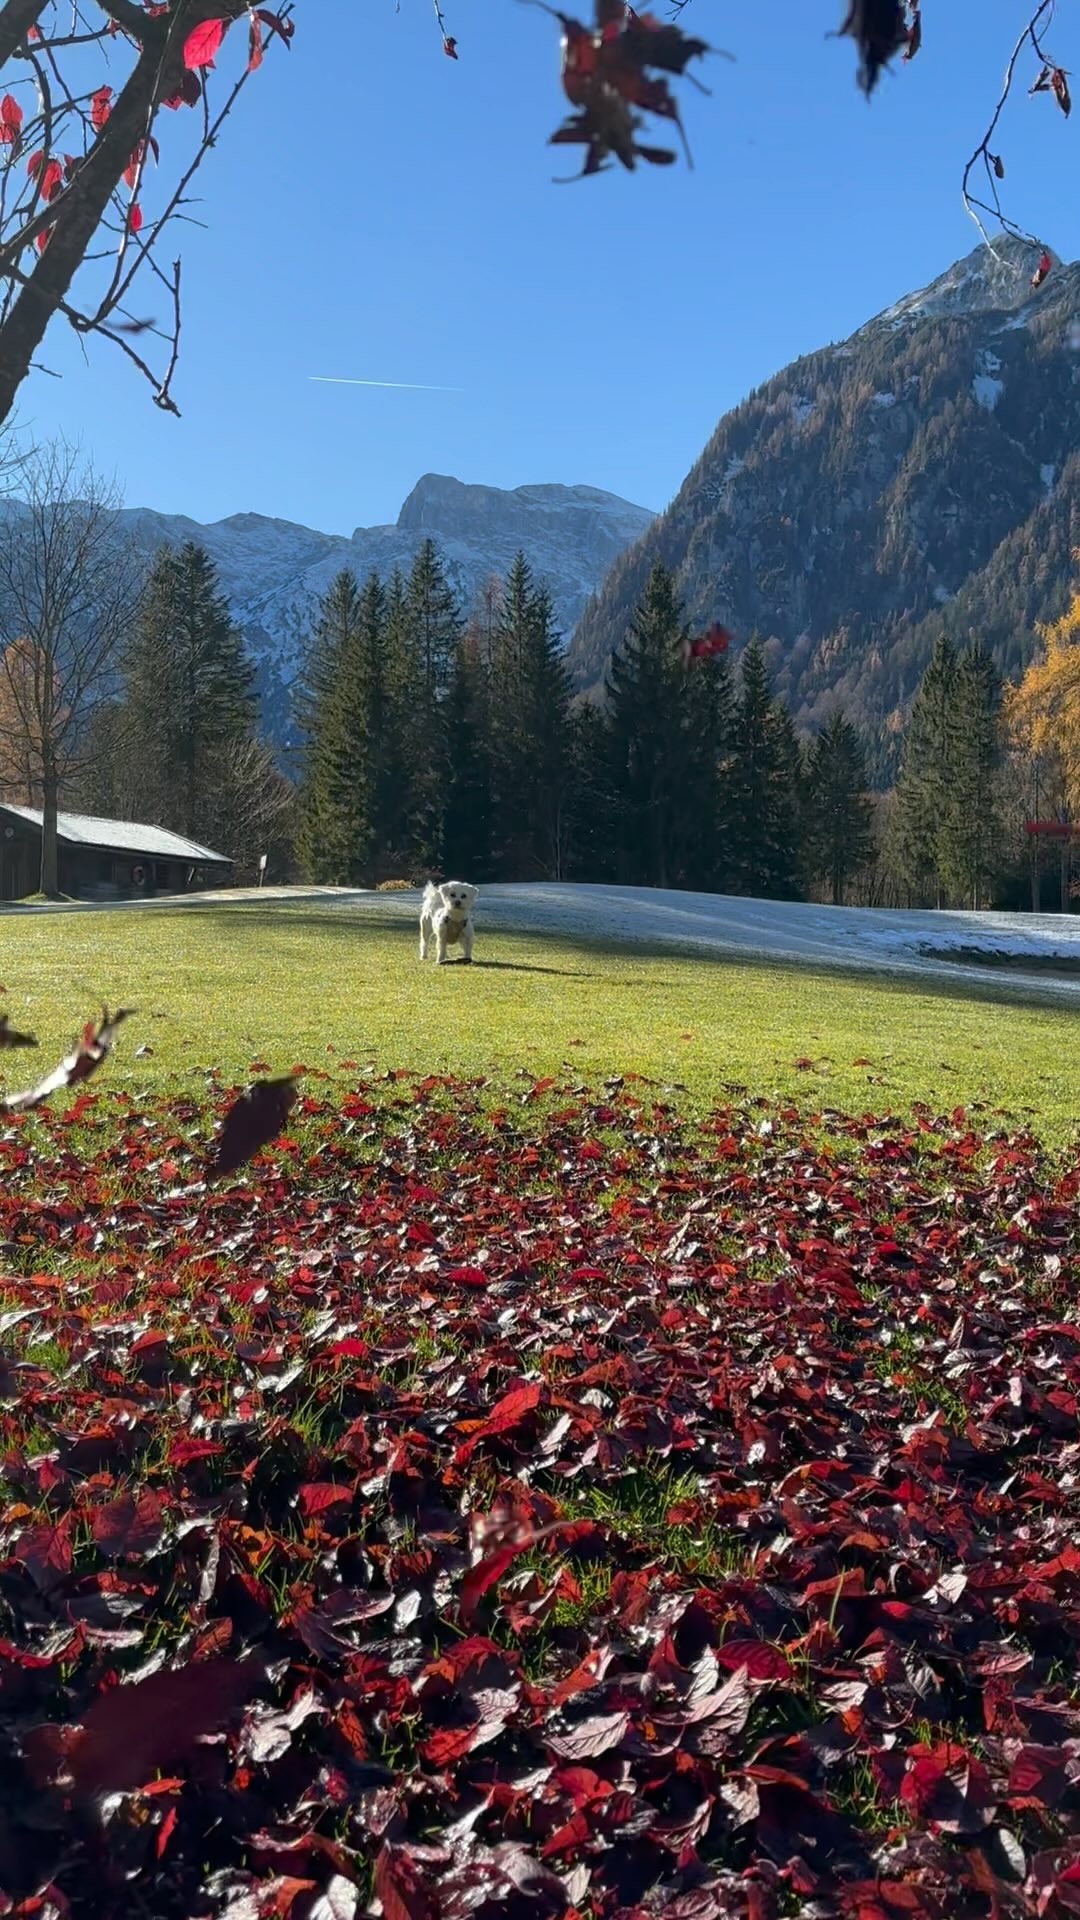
<point>1043,712</point>
<point>20,763</point>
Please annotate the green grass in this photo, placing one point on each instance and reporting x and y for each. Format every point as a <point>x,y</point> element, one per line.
<point>286,983</point>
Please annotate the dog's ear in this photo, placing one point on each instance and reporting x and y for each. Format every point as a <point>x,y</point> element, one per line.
<point>473,893</point>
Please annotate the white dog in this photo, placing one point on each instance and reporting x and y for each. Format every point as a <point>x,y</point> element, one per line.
<point>446,912</point>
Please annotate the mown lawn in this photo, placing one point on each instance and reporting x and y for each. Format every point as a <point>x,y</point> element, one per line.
<point>292,984</point>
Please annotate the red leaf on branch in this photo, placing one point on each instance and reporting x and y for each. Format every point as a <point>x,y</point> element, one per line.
<point>1060,85</point>
<point>1044,267</point>
<point>189,94</point>
<point>11,119</point>
<point>203,42</point>
<point>255,45</point>
<point>449,47</point>
<point>275,23</point>
<point>134,218</point>
<point>100,106</point>
<point>49,174</point>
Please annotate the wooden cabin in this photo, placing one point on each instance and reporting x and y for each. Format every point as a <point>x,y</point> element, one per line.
<point>104,859</point>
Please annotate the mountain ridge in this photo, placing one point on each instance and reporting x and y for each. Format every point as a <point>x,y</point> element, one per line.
<point>273,571</point>
<point>918,477</point>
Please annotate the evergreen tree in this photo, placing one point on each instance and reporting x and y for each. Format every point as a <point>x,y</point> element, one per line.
<point>839,833</point>
<point>324,839</point>
<point>423,627</point>
<point>436,624</point>
<point>665,725</point>
<point>467,819</point>
<point>189,700</point>
<point>971,828</point>
<point>592,807</point>
<point>530,731</point>
<point>923,784</point>
<point>401,690</point>
<point>763,780</point>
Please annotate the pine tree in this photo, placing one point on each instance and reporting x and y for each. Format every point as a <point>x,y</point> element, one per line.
<point>324,834</point>
<point>923,784</point>
<point>348,757</point>
<point>592,835</point>
<point>530,731</point>
<point>666,725</point>
<point>188,700</point>
<point>839,831</point>
<point>467,819</point>
<point>971,829</point>
<point>763,779</point>
<point>423,631</point>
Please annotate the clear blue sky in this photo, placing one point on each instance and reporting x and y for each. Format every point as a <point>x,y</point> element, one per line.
<point>377,211</point>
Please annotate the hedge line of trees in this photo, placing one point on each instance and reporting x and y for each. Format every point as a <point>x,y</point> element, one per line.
<point>435,744</point>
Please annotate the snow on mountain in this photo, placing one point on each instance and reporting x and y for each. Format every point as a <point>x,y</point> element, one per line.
<point>919,478</point>
<point>274,572</point>
<point>990,280</point>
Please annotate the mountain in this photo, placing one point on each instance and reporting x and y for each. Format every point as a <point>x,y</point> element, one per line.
<point>274,572</point>
<point>923,475</point>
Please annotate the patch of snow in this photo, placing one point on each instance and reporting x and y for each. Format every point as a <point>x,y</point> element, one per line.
<point>989,280</point>
<point>1048,474</point>
<point>801,409</point>
<point>987,390</point>
<point>883,400</point>
<point>887,939</point>
<point>734,466</point>
<point>988,362</point>
<point>842,353</point>
<point>941,594</point>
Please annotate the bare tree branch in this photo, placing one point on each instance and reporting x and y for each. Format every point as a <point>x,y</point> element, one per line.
<point>69,587</point>
<point>67,199</point>
<point>992,163</point>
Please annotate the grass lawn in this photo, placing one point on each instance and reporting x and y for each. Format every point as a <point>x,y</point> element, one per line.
<point>289,984</point>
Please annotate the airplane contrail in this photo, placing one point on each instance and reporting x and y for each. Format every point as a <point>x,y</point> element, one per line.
<point>400,386</point>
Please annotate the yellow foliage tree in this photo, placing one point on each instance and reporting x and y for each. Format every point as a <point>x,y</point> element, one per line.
<point>1043,712</point>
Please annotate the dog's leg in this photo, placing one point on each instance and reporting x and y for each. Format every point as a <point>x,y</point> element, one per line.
<point>424,930</point>
<point>466,942</point>
<point>440,945</point>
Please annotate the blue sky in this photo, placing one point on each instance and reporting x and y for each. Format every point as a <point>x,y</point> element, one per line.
<point>377,211</point>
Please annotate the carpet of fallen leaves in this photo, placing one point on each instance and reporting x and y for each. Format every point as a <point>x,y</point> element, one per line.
<point>554,1508</point>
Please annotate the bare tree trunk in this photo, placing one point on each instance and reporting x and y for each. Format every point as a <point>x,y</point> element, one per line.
<point>50,866</point>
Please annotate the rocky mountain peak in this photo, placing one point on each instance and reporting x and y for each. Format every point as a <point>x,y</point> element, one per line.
<point>990,279</point>
<point>923,476</point>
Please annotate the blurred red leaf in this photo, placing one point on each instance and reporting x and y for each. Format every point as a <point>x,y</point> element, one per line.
<point>131,1732</point>
<point>253,1120</point>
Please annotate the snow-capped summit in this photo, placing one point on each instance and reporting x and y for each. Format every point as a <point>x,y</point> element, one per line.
<point>990,279</point>
<point>273,572</point>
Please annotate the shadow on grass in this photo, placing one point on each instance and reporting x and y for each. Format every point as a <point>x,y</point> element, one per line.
<point>247,919</point>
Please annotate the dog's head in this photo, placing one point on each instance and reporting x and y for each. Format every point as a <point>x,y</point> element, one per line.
<point>457,896</point>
